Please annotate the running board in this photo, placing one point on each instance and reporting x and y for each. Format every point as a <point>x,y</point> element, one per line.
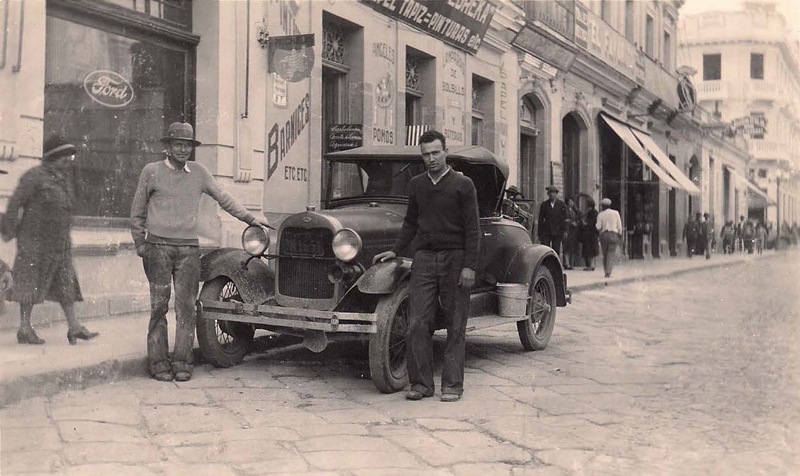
<point>492,320</point>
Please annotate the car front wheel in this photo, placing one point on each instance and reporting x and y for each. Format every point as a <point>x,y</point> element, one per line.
<point>387,347</point>
<point>535,331</point>
<point>223,343</point>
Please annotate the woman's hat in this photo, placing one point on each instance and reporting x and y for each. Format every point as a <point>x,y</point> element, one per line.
<point>56,146</point>
<point>180,131</point>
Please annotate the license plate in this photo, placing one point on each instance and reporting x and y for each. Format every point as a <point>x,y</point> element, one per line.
<point>303,244</point>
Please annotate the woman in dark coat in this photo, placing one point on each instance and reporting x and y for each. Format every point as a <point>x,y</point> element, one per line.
<point>39,216</point>
<point>589,238</point>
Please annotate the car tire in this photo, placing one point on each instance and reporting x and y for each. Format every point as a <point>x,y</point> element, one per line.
<point>223,343</point>
<point>387,347</point>
<point>535,331</point>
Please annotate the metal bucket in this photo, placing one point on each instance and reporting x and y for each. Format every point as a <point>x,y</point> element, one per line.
<point>512,299</point>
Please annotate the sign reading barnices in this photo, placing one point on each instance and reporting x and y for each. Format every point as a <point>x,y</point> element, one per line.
<point>461,23</point>
<point>292,57</point>
<point>345,137</point>
<point>108,88</point>
<point>282,137</point>
<point>755,125</point>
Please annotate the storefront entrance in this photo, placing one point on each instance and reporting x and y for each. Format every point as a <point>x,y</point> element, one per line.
<point>531,147</point>
<point>574,150</point>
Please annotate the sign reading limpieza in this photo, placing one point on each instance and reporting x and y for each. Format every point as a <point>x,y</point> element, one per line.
<point>292,57</point>
<point>345,137</point>
<point>461,23</point>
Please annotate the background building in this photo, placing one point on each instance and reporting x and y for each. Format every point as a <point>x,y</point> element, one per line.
<point>748,78</point>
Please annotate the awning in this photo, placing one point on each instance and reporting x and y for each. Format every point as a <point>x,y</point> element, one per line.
<point>662,159</point>
<point>625,133</point>
<point>751,187</point>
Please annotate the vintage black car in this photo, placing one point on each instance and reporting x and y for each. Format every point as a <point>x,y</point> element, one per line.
<point>323,286</point>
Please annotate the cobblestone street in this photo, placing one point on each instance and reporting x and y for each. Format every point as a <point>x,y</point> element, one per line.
<point>693,375</point>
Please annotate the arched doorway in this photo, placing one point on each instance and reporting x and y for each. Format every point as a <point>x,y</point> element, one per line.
<point>694,175</point>
<point>531,144</point>
<point>574,151</point>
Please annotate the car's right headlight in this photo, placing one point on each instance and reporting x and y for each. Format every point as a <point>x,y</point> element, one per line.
<point>255,240</point>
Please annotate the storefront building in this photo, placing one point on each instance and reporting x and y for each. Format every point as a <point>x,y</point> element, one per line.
<point>270,86</point>
<point>601,116</point>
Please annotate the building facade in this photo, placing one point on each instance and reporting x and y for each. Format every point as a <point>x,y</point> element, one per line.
<point>748,78</point>
<point>270,86</point>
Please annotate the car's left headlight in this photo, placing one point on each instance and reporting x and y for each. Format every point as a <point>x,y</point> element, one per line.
<point>255,240</point>
<point>346,244</point>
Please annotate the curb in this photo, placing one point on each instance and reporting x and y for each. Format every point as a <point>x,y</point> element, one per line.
<point>664,275</point>
<point>50,383</point>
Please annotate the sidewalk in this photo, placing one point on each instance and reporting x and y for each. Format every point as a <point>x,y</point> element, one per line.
<point>120,349</point>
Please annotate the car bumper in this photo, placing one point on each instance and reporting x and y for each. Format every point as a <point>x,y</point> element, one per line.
<point>286,317</point>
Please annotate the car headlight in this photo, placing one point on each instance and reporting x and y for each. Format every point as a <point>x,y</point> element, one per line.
<point>346,244</point>
<point>255,240</point>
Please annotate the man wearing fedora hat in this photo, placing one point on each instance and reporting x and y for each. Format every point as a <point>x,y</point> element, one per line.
<point>164,228</point>
<point>552,220</point>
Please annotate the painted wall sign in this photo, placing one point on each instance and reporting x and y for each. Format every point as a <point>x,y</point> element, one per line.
<point>453,87</point>
<point>345,137</point>
<point>381,71</point>
<point>282,137</point>
<point>108,88</point>
<point>292,57</point>
<point>461,23</point>
<point>545,48</point>
<point>596,36</point>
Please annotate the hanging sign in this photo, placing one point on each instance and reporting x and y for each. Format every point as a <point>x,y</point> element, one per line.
<point>292,57</point>
<point>108,88</point>
<point>461,23</point>
<point>345,137</point>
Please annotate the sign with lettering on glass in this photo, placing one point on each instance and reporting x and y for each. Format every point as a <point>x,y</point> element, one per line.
<point>461,23</point>
<point>108,88</point>
<point>345,137</point>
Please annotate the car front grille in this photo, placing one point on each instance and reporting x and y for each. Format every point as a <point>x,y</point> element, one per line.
<point>305,258</point>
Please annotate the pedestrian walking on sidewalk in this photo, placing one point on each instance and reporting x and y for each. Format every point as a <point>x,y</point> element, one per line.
<point>571,244</point>
<point>728,236</point>
<point>589,236</point>
<point>43,268</point>
<point>442,215</point>
<point>691,233</point>
<point>609,225</point>
<point>702,236</point>
<point>708,229</point>
<point>164,228</point>
<point>552,220</point>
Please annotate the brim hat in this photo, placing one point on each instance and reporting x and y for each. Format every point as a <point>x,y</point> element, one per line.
<point>606,202</point>
<point>56,146</point>
<point>512,189</point>
<point>552,188</point>
<point>180,131</point>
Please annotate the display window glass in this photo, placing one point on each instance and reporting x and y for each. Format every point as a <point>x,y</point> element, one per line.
<point>113,96</point>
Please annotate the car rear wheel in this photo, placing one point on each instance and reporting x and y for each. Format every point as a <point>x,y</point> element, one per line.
<point>387,347</point>
<point>223,343</point>
<point>535,331</point>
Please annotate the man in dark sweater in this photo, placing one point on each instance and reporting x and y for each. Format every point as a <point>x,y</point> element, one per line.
<point>164,228</point>
<point>443,217</point>
<point>552,220</point>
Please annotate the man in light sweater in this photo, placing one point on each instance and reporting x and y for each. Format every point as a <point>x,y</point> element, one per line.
<point>164,228</point>
<point>609,225</point>
<point>442,215</point>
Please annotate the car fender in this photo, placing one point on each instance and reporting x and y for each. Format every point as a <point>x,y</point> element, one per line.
<point>256,282</point>
<point>383,278</point>
<point>527,260</point>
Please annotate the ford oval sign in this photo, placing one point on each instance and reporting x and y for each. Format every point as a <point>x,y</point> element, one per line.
<point>108,88</point>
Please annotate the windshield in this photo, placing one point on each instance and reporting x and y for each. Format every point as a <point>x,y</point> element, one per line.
<point>372,178</point>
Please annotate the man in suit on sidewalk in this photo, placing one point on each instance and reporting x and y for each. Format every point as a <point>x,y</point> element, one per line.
<point>552,220</point>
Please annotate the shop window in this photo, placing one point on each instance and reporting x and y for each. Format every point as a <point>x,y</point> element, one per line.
<point>112,94</point>
<point>756,66</point>
<point>176,12</point>
<point>482,110</point>
<point>712,67</point>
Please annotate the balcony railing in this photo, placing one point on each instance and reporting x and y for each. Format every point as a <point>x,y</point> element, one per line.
<point>766,149</point>
<point>712,90</point>
<point>558,15</point>
<point>758,89</point>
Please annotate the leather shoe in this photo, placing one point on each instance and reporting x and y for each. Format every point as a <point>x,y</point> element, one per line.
<point>416,395</point>
<point>28,336</point>
<point>82,333</point>
<point>163,376</point>
<point>451,397</point>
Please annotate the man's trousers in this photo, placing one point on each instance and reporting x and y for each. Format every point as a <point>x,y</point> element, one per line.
<point>553,241</point>
<point>164,264</point>
<point>435,277</point>
<point>608,243</point>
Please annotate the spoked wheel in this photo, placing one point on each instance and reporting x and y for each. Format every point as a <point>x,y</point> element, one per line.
<point>387,347</point>
<point>535,331</point>
<point>223,343</point>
